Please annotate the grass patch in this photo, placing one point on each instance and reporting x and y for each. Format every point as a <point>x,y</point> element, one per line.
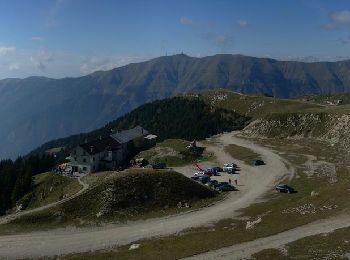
<point>254,106</point>
<point>174,152</point>
<point>242,153</point>
<point>335,245</point>
<point>49,188</point>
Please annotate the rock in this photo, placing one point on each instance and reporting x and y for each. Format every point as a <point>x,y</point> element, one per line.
<point>314,193</point>
<point>134,246</point>
<point>19,208</point>
<point>251,224</point>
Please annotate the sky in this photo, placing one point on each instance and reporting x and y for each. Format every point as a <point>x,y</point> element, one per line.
<point>64,38</point>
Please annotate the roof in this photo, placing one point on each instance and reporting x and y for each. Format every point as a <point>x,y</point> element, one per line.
<point>128,135</point>
<point>100,145</point>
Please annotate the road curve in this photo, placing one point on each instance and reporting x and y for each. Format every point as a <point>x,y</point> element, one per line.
<point>253,183</point>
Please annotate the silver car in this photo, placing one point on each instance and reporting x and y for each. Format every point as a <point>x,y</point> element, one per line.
<point>229,167</point>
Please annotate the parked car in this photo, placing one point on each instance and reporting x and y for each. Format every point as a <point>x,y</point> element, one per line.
<point>212,183</point>
<point>258,162</point>
<point>195,178</point>
<point>200,173</point>
<point>229,167</point>
<point>284,188</point>
<point>217,169</point>
<point>226,187</point>
<point>159,165</point>
<point>220,184</point>
<point>211,171</point>
<point>204,179</point>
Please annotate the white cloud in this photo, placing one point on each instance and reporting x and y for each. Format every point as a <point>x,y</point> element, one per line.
<point>188,22</point>
<point>37,38</point>
<point>5,50</point>
<point>341,17</point>
<point>243,23</point>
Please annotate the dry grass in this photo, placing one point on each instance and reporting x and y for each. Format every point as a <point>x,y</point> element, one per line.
<point>242,153</point>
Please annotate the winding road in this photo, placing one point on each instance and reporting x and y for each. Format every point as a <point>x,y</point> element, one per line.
<point>253,183</point>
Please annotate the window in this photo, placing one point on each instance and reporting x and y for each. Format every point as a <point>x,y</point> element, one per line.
<point>84,169</point>
<point>84,160</point>
<point>84,153</point>
<point>75,158</point>
<point>93,159</point>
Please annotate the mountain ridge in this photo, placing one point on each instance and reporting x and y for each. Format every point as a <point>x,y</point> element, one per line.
<point>37,109</point>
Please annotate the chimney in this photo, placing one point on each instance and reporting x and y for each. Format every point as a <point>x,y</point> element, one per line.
<point>91,149</point>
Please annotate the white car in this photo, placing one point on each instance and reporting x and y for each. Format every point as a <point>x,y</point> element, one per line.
<point>228,167</point>
<point>198,173</point>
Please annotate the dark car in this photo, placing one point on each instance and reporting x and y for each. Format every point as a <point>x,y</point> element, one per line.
<point>209,172</point>
<point>284,188</point>
<point>212,183</point>
<point>204,179</point>
<point>226,187</point>
<point>159,165</point>
<point>195,178</point>
<point>217,169</point>
<point>258,162</point>
<point>220,184</point>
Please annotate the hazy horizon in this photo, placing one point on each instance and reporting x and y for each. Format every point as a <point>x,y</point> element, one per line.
<point>65,38</point>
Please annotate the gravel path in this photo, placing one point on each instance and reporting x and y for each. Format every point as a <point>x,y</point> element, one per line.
<point>253,182</point>
<point>245,250</point>
<point>8,218</point>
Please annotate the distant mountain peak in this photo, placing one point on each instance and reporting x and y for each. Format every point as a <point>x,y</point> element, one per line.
<point>36,109</point>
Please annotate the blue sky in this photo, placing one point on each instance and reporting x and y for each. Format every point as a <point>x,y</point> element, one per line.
<point>58,38</point>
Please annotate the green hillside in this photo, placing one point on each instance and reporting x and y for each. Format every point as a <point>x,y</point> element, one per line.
<point>48,188</point>
<point>250,105</point>
<point>134,194</point>
<point>178,117</point>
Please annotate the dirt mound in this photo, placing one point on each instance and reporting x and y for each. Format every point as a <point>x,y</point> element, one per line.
<point>149,190</point>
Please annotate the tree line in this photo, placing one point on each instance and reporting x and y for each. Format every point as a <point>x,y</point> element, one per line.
<point>16,177</point>
<point>177,117</point>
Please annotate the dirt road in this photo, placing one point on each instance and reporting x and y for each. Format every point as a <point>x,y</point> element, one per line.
<point>253,182</point>
<point>245,250</point>
<point>8,218</point>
